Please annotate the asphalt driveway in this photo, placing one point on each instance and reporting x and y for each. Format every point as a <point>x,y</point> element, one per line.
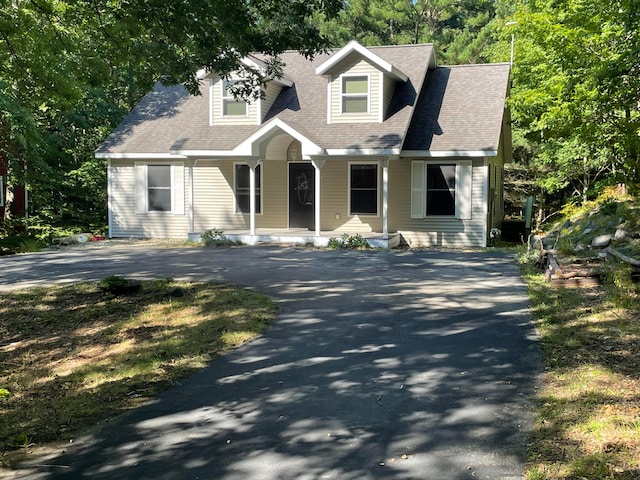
<point>381,364</point>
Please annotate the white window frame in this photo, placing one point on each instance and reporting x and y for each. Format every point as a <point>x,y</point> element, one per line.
<point>1,191</point>
<point>363,162</point>
<point>224,98</point>
<point>259,205</point>
<point>454,189</point>
<point>343,95</point>
<point>463,189</point>
<point>142,188</point>
<point>170,188</point>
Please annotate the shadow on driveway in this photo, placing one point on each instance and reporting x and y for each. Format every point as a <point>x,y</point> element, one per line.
<point>381,364</point>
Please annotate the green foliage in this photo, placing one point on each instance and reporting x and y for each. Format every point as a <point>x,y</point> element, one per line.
<point>23,242</point>
<point>355,242</point>
<point>216,238</point>
<point>117,285</point>
<point>461,31</point>
<point>574,94</point>
<point>70,72</point>
<point>30,245</point>
<point>113,282</point>
<point>4,393</point>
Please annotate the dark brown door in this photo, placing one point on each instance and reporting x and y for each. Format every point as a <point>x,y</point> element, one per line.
<point>301,196</point>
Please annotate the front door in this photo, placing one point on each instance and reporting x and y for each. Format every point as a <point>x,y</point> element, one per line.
<point>301,196</point>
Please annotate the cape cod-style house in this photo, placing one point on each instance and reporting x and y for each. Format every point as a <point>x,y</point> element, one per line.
<point>379,141</point>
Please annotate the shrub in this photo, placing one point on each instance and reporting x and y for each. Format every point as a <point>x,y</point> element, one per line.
<point>119,285</point>
<point>216,238</point>
<point>355,242</point>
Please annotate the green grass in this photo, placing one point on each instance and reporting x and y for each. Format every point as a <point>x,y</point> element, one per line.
<point>588,408</point>
<point>74,356</point>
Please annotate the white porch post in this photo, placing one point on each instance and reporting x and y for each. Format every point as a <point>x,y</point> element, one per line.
<point>253,163</point>
<point>385,197</point>
<point>317,163</point>
<point>191,196</point>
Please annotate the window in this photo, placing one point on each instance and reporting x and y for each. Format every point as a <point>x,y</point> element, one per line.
<point>243,188</point>
<point>363,189</point>
<point>1,191</point>
<point>441,190</point>
<point>231,106</point>
<point>159,188</point>
<point>355,94</point>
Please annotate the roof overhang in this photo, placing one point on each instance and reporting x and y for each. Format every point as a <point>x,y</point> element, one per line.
<point>253,146</point>
<point>448,153</point>
<point>355,47</point>
<point>139,156</point>
<point>362,151</point>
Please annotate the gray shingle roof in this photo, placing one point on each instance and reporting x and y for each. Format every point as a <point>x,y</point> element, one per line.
<point>469,102</point>
<point>460,108</point>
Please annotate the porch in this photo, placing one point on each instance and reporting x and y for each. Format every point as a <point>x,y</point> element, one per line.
<point>302,237</point>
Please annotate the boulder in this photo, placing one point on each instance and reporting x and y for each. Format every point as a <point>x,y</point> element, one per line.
<point>601,241</point>
<point>73,239</point>
<point>536,242</point>
<point>621,235</point>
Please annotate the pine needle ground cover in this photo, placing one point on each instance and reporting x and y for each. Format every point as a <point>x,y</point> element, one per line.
<point>73,356</point>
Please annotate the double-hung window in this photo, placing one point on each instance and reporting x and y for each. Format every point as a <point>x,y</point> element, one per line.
<point>441,189</point>
<point>355,94</point>
<point>232,106</point>
<point>243,188</point>
<point>159,188</point>
<point>363,189</point>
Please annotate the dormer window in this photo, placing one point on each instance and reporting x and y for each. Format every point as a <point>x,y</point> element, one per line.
<point>355,94</point>
<point>232,107</point>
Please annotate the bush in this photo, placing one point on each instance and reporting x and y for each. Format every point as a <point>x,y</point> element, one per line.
<point>355,242</point>
<point>216,238</point>
<point>119,285</point>
<point>20,243</point>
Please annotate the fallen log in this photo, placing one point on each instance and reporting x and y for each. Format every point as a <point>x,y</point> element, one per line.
<point>553,269</point>
<point>620,256</point>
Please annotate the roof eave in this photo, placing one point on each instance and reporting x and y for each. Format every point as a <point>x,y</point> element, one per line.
<point>448,153</point>
<point>354,46</point>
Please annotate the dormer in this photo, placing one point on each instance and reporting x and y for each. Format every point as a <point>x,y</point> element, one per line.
<point>226,109</point>
<point>360,85</point>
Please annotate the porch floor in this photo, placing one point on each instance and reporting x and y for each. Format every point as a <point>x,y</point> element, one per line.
<point>302,237</point>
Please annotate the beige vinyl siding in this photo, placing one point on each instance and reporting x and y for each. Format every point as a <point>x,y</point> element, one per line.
<point>271,92</point>
<point>355,65</point>
<point>215,105</point>
<point>214,196</point>
<point>389,88</point>
<point>274,198</point>
<point>447,232</point>
<point>334,194</point>
<point>125,222</point>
